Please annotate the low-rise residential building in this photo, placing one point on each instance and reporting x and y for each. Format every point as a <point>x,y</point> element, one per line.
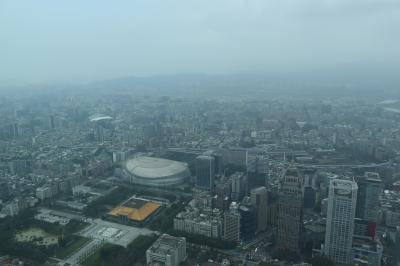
<point>43,193</point>
<point>193,222</point>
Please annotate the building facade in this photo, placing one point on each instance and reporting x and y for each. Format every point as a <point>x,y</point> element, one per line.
<point>167,250</point>
<point>367,252</point>
<point>193,222</point>
<point>238,186</point>
<point>290,211</point>
<point>248,219</point>
<point>259,199</point>
<point>205,172</point>
<point>340,221</point>
<point>232,224</point>
<point>369,189</point>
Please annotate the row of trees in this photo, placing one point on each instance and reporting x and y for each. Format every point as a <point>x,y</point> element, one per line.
<point>8,245</point>
<point>99,205</point>
<point>164,222</point>
<point>110,255</point>
<point>10,226</point>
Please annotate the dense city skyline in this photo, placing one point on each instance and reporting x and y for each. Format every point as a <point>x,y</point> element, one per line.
<point>200,133</point>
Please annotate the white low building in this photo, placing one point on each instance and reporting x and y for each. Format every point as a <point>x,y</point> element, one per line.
<point>167,250</point>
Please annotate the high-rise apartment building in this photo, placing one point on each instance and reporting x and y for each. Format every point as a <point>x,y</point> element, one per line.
<point>290,211</point>
<point>340,221</point>
<point>369,189</point>
<point>232,223</point>
<point>238,186</point>
<point>248,219</point>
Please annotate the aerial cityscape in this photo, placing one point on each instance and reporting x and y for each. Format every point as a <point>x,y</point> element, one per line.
<point>198,134</point>
<point>100,179</point>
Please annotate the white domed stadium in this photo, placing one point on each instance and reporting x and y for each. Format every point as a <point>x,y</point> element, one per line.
<point>156,172</point>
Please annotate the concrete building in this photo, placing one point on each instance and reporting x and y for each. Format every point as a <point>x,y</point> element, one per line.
<point>238,186</point>
<point>257,170</point>
<point>11,209</point>
<point>248,219</point>
<point>232,224</point>
<point>43,193</point>
<point>119,156</point>
<point>369,189</point>
<point>290,211</point>
<point>221,200</point>
<point>366,252</point>
<point>167,250</point>
<point>340,221</point>
<point>259,199</point>
<point>309,198</point>
<point>81,190</point>
<point>205,172</point>
<point>194,222</point>
<point>218,159</point>
<point>235,156</point>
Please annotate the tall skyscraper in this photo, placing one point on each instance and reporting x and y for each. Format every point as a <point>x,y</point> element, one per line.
<point>248,219</point>
<point>340,221</point>
<point>232,223</point>
<point>369,188</point>
<point>223,192</point>
<point>238,186</point>
<point>259,199</point>
<point>218,159</point>
<point>257,171</point>
<point>290,211</point>
<point>205,172</point>
<point>397,246</point>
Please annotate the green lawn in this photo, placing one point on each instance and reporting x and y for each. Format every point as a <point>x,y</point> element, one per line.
<point>71,248</point>
<point>80,227</point>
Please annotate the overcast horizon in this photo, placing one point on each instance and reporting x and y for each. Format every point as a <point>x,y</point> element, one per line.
<point>84,41</point>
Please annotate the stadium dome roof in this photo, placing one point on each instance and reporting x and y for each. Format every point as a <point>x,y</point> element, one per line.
<point>155,168</point>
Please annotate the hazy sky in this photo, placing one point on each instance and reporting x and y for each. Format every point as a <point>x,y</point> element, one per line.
<point>83,40</point>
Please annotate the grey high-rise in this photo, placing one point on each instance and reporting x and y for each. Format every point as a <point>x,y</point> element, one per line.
<point>340,221</point>
<point>369,189</point>
<point>290,211</point>
<point>205,172</point>
<point>259,199</point>
<point>232,224</point>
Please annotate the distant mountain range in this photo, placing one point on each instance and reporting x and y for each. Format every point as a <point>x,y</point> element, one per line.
<point>366,81</point>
